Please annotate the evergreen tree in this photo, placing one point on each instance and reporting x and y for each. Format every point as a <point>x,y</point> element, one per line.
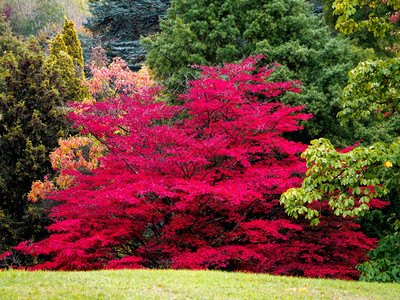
<point>66,56</point>
<point>121,23</point>
<point>210,32</point>
<point>30,125</point>
<point>33,90</point>
<point>72,43</point>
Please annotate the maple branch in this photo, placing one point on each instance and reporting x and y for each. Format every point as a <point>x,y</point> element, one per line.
<point>124,129</point>
<point>112,151</point>
<point>155,230</point>
<point>215,220</point>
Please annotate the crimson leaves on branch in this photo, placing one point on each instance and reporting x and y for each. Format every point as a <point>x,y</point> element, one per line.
<point>197,186</point>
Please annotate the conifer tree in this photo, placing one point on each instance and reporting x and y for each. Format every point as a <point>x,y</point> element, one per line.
<point>66,57</point>
<point>121,23</point>
<point>31,122</point>
<point>58,45</point>
<point>33,91</point>
<point>74,49</point>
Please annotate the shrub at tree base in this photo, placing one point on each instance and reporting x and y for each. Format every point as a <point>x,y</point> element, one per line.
<point>199,192</point>
<point>384,261</point>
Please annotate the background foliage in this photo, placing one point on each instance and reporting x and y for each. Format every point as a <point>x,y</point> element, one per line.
<point>285,32</point>
<point>120,23</point>
<point>29,17</point>
<point>364,38</point>
<point>36,83</point>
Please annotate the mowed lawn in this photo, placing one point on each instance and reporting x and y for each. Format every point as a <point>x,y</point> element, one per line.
<point>170,284</point>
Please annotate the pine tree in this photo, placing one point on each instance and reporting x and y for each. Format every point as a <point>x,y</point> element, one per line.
<point>121,23</point>
<point>66,57</point>
<point>33,93</point>
<point>74,49</point>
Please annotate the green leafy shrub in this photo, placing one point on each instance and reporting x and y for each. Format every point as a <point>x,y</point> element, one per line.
<point>384,265</point>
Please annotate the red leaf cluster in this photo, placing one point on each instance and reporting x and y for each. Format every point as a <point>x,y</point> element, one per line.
<point>197,186</point>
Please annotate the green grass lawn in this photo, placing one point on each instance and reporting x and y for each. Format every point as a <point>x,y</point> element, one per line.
<point>169,284</point>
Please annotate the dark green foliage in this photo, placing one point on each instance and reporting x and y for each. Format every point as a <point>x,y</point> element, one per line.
<point>384,225</point>
<point>121,23</point>
<point>379,223</point>
<point>375,223</point>
<point>385,261</point>
<point>7,235</point>
<point>286,32</point>
<point>31,122</point>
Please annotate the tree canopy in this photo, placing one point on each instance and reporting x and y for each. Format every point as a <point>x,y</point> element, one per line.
<point>199,192</point>
<point>211,172</point>
<point>285,32</point>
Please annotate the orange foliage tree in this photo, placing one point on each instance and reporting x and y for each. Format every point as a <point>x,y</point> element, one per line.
<point>117,79</point>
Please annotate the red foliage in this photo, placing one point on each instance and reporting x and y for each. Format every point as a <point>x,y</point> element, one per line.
<point>5,254</point>
<point>197,186</point>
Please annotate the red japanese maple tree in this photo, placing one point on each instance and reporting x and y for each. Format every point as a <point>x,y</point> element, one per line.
<point>197,186</point>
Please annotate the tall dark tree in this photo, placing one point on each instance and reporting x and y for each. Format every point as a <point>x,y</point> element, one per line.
<point>210,32</point>
<point>31,122</point>
<point>121,23</point>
